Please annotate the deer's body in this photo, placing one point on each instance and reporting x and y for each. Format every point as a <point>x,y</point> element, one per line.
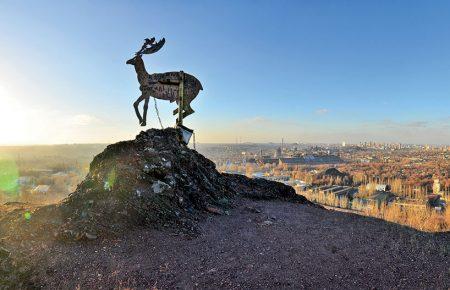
<point>163,86</point>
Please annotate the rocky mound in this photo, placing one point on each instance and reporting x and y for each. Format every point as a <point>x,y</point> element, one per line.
<point>332,172</point>
<point>156,180</point>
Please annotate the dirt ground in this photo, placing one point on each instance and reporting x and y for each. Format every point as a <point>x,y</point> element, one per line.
<point>261,244</point>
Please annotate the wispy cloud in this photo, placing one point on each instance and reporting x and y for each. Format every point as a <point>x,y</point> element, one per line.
<point>417,124</point>
<point>388,123</point>
<point>322,111</point>
<point>257,120</point>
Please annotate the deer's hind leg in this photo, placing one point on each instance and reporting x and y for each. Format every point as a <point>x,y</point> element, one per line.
<point>187,110</point>
<point>136,107</point>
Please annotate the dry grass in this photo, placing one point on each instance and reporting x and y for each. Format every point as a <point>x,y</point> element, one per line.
<point>327,199</point>
<point>418,217</point>
<point>415,216</point>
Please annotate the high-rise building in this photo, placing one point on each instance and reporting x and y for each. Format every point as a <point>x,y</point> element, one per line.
<point>278,153</point>
<point>343,144</point>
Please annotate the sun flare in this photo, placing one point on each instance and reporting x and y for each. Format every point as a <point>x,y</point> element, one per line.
<point>13,124</point>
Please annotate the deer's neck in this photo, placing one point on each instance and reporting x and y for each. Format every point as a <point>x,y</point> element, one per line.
<point>141,71</point>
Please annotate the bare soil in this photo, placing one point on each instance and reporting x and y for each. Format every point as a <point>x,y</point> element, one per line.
<point>260,245</point>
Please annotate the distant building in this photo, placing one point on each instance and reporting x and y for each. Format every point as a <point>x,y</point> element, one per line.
<point>281,178</point>
<point>383,187</point>
<point>382,197</point>
<point>24,180</point>
<point>343,144</point>
<point>311,159</point>
<point>292,160</point>
<point>41,189</point>
<point>60,174</point>
<point>257,175</point>
<point>378,187</point>
<point>269,160</point>
<point>298,183</point>
<point>308,159</point>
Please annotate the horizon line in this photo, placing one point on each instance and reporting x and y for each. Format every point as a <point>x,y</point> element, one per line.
<point>228,143</point>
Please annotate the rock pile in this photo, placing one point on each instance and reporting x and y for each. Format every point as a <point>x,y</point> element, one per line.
<point>334,175</point>
<point>155,180</point>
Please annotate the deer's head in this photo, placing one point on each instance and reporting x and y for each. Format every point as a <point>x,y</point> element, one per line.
<point>148,47</point>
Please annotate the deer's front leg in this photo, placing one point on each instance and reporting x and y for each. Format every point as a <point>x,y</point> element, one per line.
<point>136,107</point>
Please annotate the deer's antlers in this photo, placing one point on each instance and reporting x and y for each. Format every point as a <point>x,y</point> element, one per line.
<point>150,46</point>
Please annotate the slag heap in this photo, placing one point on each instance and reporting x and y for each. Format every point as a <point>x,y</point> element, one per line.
<point>156,180</point>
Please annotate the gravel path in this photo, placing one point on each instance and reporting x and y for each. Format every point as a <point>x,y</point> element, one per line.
<point>261,244</point>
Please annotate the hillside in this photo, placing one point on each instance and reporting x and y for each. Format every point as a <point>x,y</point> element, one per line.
<point>153,213</point>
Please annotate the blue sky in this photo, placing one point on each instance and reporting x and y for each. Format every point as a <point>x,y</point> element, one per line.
<point>308,71</point>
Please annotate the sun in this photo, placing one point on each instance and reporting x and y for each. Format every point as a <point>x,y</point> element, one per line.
<point>13,126</point>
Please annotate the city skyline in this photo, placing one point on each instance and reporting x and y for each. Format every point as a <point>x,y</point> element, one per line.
<point>319,72</point>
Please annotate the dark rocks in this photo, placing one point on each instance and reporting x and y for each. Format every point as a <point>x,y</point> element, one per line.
<point>263,189</point>
<point>252,209</point>
<point>90,236</point>
<point>215,210</point>
<point>4,253</point>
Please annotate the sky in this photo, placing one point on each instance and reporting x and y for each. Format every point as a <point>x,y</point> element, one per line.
<point>305,71</point>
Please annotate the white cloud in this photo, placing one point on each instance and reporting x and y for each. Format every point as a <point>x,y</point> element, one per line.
<point>322,111</point>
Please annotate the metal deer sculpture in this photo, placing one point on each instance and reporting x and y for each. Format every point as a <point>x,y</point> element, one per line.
<point>164,86</point>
